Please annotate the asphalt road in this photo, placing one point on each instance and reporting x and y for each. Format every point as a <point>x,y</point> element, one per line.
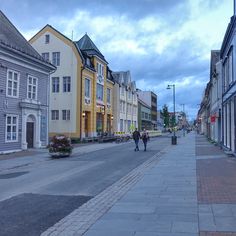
<point>35,197</point>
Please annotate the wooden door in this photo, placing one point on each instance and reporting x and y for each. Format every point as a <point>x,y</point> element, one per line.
<point>30,134</point>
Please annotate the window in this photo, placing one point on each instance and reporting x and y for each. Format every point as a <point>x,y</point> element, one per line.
<point>32,85</point>
<point>230,66</point>
<point>55,114</point>
<point>100,69</point>
<point>121,125</point>
<point>11,128</point>
<point>87,88</point>
<point>99,94</point>
<point>47,38</point>
<point>65,114</point>
<point>129,124</point>
<point>45,56</point>
<point>56,58</point>
<point>55,84</point>
<point>109,96</point>
<point>129,94</point>
<point>122,90</point>
<point>66,84</point>
<point>13,80</point>
<point>143,114</point>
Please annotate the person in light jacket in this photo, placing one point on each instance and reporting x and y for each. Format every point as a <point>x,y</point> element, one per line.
<point>145,138</point>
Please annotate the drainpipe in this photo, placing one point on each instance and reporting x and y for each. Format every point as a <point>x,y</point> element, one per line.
<point>81,100</point>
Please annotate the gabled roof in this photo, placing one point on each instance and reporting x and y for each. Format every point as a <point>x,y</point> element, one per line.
<point>49,27</point>
<point>11,37</point>
<point>85,44</point>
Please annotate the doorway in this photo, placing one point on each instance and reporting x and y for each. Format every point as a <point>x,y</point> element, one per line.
<point>30,134</point>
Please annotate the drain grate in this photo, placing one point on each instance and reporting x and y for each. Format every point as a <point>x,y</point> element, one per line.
<point>13,175</point>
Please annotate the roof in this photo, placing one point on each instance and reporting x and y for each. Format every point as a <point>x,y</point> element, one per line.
<point>228,34</point>
<point>143,103</point>
<point>13,39</point>
<point>85,44</point>
<point>215,57</point>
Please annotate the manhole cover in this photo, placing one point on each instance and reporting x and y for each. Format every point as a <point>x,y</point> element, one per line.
<point>12,175</point>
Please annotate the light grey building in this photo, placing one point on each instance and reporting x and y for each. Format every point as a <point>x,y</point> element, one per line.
<point>125,102</point>
<point>24,77</point>
<point>227,56</point>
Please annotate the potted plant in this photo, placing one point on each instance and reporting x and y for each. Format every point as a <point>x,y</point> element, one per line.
<point>60,146</point>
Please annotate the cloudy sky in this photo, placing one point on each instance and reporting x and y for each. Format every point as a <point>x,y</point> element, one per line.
<point>160,41</point>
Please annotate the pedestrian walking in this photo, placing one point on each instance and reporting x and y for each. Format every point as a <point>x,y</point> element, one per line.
<point>145,138</point>
<point>136,137</point>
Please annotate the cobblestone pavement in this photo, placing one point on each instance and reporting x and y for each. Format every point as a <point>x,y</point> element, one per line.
<point>216,175</point>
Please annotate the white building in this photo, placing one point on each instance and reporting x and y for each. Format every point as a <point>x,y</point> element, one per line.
<point>216,96</point>
<point>125,102</point>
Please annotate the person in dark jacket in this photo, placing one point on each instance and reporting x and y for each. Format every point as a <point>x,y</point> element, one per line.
<point>136,137</point>
<point>145,138</point>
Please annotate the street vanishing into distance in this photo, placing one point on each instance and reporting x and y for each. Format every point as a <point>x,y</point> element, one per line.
<point>38,191</point>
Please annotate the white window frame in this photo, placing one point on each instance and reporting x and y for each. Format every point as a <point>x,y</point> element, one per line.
<point>109,102</point>
<point>32,86</point>
<point>58,78</point>
<point>97,97</point>
<point>100,69</point>
<point>12,80</point>
<point>45,57</point>
<point>54,116</point>
<point>57,59</point>
<point>47,38</point>
<point>66,84</point>
<point>65,114</point>
<point>16,125</point>
<point>89,83</point>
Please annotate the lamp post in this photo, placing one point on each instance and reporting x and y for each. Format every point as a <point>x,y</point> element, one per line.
<point>184,120</point>
<point>173,138</point>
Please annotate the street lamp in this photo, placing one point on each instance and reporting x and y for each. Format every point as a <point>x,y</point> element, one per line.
<point>173,138</point>
<point>184,119</point>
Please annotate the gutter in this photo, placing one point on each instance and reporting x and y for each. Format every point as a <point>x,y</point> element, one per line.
<point>81,100</point>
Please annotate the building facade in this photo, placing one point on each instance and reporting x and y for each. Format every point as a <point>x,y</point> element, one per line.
<point>227,55</point>
<point>80,92</point>
<point>144,116</point>
<point>150,98</point>
<point>24,92</point>
<point>125,102</point>
<point>216,96</point>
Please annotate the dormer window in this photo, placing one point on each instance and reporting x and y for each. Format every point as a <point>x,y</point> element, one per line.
<point>47,38</point>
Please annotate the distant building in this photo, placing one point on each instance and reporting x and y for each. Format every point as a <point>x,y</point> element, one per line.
<point>125,102</point>
<point>150,98</point>
<point>24,92</point>
<point>144,116</point>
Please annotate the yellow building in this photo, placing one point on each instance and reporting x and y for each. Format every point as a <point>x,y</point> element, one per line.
<point>80,89</point>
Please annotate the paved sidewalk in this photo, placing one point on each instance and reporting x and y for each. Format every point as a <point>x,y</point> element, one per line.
<point>186,190</point>
<point>157,198</point>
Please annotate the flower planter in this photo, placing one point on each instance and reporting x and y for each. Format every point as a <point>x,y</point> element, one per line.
<point>59,154</point>
<point>60,146</point>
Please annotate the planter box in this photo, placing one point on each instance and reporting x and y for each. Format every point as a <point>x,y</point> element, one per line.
<point>59,154</point>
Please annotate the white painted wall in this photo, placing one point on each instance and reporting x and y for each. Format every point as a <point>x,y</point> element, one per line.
<point>68,67</point>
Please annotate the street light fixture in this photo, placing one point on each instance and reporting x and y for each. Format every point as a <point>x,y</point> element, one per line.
<point>184,120</point>
<point>173,138</point>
